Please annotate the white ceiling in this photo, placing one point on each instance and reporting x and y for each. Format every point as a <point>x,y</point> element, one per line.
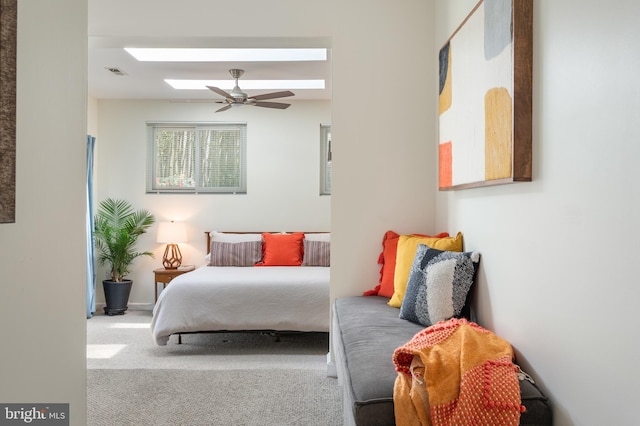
<point>145,80</point>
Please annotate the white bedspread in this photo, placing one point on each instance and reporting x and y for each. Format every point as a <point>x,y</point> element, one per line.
<point>211,298</point>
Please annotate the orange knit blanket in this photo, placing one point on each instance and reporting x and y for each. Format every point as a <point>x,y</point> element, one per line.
<point>456,373</point>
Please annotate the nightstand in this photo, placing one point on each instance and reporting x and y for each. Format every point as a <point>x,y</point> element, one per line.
<point>165,276</point>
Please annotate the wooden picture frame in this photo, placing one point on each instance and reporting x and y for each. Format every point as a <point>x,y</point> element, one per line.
<point>485,97</point>
<point>8,27</point>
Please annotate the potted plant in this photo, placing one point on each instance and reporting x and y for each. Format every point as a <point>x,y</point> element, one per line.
<point>117,228</point>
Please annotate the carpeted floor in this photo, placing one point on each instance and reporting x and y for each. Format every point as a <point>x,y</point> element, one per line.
<point>211,379</point>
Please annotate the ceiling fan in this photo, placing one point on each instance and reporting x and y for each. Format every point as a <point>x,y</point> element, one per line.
<point>237,97</point>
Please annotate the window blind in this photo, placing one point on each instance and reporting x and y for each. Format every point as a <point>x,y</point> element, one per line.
<point>195,158</point>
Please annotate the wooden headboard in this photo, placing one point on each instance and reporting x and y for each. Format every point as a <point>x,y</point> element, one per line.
<point>208,234</point>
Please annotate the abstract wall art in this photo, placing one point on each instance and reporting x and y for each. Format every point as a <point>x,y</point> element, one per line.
<point>8,25</point>
<point>485,107</point>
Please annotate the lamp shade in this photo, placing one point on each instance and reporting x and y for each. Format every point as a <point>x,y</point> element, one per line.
<point>172,232</point>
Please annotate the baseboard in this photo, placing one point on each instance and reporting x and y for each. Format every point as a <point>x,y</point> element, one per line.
<point>132,307</point>
<point>141,306</point>
<point>332,370</point>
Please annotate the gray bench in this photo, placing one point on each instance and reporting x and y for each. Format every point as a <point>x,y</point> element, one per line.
<point>365,333</point>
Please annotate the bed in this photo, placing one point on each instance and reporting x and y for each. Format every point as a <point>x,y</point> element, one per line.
<point>251,282</point>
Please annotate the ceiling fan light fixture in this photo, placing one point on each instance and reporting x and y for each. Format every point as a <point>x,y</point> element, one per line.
<point>237,93</point>
<point>237,97</point>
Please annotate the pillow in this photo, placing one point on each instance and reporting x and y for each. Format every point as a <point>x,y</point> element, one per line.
<point>407,245</point>
<point>234,238</point>
<point>282,249</point>
<point>438,285</point>
<point>388,260</point>
<point>318,236</point>
<point>316,253</point>
<point>246,253</point>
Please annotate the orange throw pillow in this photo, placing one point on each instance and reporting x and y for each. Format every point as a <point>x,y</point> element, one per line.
<point>282,249</point>
<point>388,261</point>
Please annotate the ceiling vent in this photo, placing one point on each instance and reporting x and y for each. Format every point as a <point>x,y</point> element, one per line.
<point>116,71</point>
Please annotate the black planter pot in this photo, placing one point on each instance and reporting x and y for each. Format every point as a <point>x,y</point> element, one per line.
<point>116,295</point>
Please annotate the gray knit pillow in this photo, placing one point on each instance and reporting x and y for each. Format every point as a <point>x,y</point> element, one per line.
<point>438,285</point>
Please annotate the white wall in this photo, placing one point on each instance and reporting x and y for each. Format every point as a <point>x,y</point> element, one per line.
<point>557,277</point>
<point>383,78</point>
<point>42,255</point>
<point>92,116</point>
<point>283,176</point>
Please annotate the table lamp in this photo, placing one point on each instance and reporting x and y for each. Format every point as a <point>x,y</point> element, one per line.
<point>172,233</point>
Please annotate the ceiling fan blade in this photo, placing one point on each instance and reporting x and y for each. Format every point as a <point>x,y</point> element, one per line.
<point>273,95</point>
<point>220,92</point>
<point>224,108</point>
<point>278,105</point>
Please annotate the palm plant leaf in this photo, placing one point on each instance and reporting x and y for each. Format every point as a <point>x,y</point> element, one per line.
<point>117,228</point>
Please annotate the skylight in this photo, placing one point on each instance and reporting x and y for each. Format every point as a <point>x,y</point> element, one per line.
<point>247,84</point>
<point>226,55</point>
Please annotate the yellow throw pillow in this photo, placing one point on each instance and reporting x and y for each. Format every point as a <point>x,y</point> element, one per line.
<point>407,246</point>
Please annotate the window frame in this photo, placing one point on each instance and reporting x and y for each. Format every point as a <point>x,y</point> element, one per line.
<point>325,159</point>
<point>153,126</point>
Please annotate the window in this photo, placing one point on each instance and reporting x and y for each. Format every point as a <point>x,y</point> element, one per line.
<point>325,159</point>
<point>197,158</point>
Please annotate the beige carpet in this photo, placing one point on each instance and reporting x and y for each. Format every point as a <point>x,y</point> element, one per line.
<point>211,379</point>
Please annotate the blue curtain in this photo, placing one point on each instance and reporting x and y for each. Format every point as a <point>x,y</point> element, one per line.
<point>91,263</point>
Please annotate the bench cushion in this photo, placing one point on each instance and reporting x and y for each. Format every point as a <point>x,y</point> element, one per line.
<point>370,331</point>
<point>366,333</point>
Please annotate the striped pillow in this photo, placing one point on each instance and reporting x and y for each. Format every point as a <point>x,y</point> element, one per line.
<point>316,253</point>
<point>246,253</point>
